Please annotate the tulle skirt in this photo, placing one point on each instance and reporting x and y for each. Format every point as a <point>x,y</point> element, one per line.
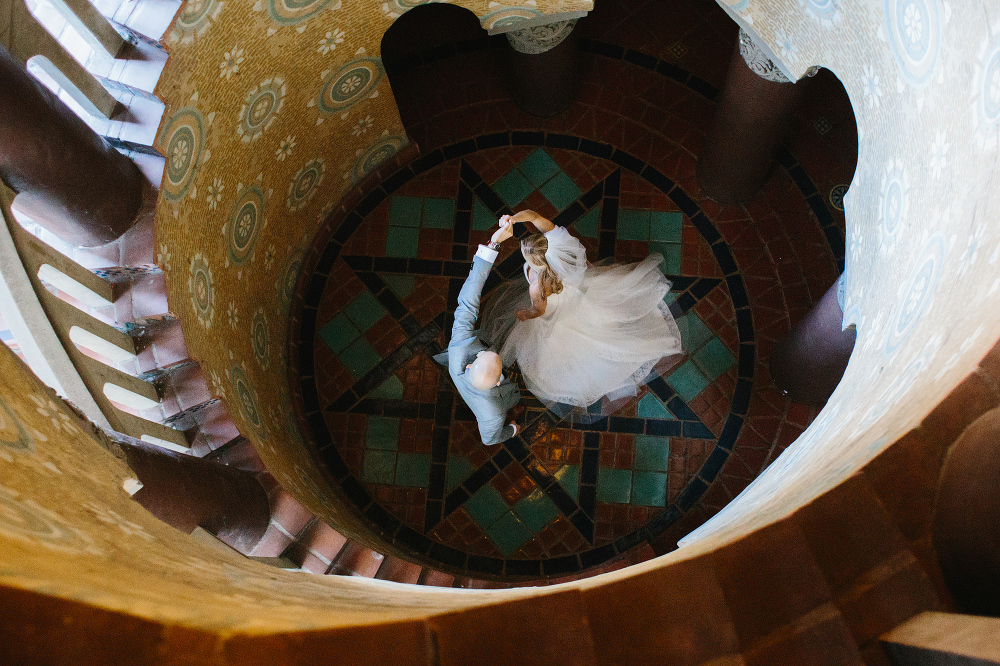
<point>594,345</point>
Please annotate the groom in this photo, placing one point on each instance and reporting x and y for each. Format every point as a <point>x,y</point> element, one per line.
<point>475,369</point>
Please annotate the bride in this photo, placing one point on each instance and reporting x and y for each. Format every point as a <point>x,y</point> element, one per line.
<point>590,332</point>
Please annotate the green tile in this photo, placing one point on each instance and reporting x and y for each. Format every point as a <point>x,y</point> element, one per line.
<point>671,264</point>
<point>649,489</point>
<point>439,214</point>
<point>405,211</point>
<point>589,224</point>
<point>650,407</point>
<point>561,191</point>
<point>688,381</point>
<point>694,332</point>
<point>568,477</point>
<point>377,466</point>
<point>364,311</point>
<point>509,533</point>
<point>486,506</point>
<point>459,469</point>
<point>538,167</point>
<point>402,242</point>
<point>666,226</point>
<point>513,188</point>
<point>401,285</point>
<point>536,510</point>
<point>338,333</point>
<point>714,358</point>
<point>360,358</point>
<point>381,432</point>
<point>390,389</point>
<point>670,297</point>
<point>482,217</point>
<point>413,469</point>
<point>614,485</point>
<point>652,454</point>
<point>633,225</point>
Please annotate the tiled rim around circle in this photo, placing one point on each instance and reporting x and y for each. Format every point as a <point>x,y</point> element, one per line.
<point>406,538</point>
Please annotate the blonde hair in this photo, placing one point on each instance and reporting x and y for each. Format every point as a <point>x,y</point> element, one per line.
<point>534,248</point>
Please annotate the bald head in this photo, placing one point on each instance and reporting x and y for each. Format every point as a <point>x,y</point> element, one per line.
<point>484,372</point>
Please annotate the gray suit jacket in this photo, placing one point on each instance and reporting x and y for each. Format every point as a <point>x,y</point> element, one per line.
<point>489,406</point>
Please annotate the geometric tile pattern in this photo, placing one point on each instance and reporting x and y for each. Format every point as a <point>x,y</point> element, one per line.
<point>563,495</point>
<point>534,505</point>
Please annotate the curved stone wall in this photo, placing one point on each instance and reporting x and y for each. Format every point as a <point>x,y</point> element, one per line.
<point>921,270</point>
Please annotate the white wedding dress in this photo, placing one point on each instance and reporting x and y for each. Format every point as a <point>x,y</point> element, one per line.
<point>599,338</point>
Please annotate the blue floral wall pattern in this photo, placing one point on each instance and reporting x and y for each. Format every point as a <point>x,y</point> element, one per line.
<point>924,81</point>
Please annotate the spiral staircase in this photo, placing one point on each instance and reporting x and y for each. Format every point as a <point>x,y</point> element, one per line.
<point>830,579</point>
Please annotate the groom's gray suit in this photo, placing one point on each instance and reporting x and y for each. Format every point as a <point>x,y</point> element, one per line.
<point>490,406</point>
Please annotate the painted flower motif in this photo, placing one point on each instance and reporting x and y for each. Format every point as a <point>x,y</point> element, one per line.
<point>872,331</point>
<point>916,294</point>
<point>48,409</point>
<point>893,206</point>
<point>789,51</point>
<point>973,243</point>
<point>180,154</point>
<point>329,43</point>
<point>215,194</point>
<point>269,257</point>
<point>218,388</point>
<point>350,84</point>
<point>285,148</point>
<point>260,107</point>
<point>163,257</point>
<point>872,87</point>
<point>233,313</point>
<point>857,238</point>
<point>939,153</point>
<point>363,126</point>
<point>994,87</point>
<point>913,23</point>
<point>231,62</point>
<point>202,288</point>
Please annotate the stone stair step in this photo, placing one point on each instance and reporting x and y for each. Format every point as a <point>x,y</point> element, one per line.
<point>356,560</point>
<point>435,578</point>
<point>399,570</point>
<point>318,546</point>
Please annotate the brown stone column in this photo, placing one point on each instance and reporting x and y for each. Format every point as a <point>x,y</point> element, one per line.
<point>753,111</point>
<point>544,68</point>
<point>966,526</point>
<point>188,492</point>
<point>66,176</point>
<point>810,362</point>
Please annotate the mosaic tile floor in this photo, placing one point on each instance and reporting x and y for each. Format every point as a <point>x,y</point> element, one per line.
<point>563,495</point>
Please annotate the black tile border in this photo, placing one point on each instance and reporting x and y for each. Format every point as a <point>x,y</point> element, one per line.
<point>404,537</point>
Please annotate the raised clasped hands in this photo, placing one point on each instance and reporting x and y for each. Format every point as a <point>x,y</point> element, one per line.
<point>505,231</point>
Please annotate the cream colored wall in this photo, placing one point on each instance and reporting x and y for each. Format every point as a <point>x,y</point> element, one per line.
<point>923,278</point>
<point>273,111</point>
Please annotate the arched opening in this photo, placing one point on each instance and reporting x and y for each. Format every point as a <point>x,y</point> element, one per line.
<point>418,51</point>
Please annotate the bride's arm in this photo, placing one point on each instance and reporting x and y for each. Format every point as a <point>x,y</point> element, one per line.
<point>543,225</point>
<point>537,304</point>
